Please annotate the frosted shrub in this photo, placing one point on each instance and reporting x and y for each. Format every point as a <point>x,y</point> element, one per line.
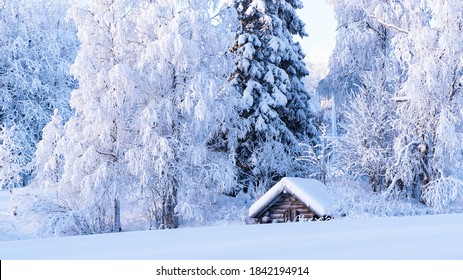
<point>443,193</point>
<point>64,224</point>
<point>354,199</point>
<point>232,210</point>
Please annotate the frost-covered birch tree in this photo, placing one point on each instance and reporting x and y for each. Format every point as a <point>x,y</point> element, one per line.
<point>428,147</point>
<point>268,78</point>
<point>177,158</point>
<point>37,46</point>
<point>364,78</point>
<point>105,103</point>
<point>93,144</point>
<point>364,45</point>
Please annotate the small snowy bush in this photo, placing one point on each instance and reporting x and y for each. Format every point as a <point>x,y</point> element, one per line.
<point>355,199</point>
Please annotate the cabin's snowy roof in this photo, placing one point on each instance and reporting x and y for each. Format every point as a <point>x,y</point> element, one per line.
<point>310,192</point>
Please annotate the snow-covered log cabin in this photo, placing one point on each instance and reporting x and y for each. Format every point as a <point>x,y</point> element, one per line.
<point>292,199</point>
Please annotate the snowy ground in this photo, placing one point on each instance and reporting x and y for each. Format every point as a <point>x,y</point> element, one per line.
<point>420,237</point>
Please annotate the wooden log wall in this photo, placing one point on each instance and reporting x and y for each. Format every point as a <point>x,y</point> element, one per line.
<point>287,208</point>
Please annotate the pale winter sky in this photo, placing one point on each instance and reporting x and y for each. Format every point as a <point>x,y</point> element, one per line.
<point>321,26</point>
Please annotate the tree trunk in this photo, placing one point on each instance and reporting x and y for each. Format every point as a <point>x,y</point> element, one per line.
<point>117,216</point>
<point>334,124</point>
<point>425,177</point>
<point>169,217</point>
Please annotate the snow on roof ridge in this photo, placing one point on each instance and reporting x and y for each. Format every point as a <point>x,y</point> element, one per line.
<point>309,191</point>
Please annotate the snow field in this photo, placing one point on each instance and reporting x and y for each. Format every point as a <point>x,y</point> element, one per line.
<point>438,237</point>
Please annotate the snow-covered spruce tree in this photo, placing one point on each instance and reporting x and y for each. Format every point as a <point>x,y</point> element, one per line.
<point>49,159</point>
<point>268,77</point>
<point>178,161</point>
<point>37,46</point>
<point>428,147</point>
<point>11,159</point>
<point>43,201</point>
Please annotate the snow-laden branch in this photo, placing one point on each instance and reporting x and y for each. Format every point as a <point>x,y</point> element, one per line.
<point>109,154</point>
<point>385,24</point>
<point>403,150</point>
